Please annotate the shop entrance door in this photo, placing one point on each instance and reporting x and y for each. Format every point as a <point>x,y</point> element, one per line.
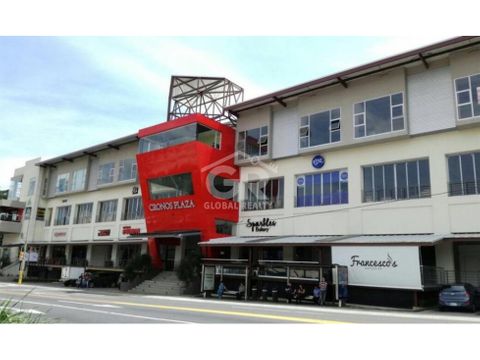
<point>169,259</point>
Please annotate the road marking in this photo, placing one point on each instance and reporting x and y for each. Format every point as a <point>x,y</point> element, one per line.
<point>98,305</point>
<point>104,312</point>
<point>27,311</point>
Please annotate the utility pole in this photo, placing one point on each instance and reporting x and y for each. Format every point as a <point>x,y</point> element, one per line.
<point>22,265</point>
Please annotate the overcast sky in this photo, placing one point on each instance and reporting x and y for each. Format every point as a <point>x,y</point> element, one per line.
<point>60,94</point>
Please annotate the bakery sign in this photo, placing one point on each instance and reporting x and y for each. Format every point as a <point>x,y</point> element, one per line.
<point>263,225</point>
<point>380,266</point>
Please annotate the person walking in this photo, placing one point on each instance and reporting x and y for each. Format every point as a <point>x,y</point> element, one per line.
<point>221,289</point>
<point>316,294</point>
<point>323,290</point>
<point>289,292</point>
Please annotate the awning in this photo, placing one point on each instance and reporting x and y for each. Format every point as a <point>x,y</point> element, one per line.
<point>332,240</point>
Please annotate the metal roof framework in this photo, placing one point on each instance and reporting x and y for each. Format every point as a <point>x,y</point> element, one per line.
<point>208,96</point>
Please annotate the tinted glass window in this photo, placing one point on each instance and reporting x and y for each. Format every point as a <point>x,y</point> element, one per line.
<point>378,116</point>
<point>170,186</point>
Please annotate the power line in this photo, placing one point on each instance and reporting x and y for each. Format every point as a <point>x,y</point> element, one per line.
<point>345,209</point>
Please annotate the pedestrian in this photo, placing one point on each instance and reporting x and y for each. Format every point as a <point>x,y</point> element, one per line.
<point>221,289</point>
<point>299,294</point>
<point>80,281</point>
<point>289,292</point>
<point>121,278</point>
<point>323,290</point>
<point>241,291</point>
<point>316,295</point>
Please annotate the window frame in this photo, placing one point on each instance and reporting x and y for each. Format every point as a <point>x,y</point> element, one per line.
<point>390,95</point>
<point>321,173</point>
<point>125,211</point>
<point>76,217</point>
<point>111,173</point>
<point>331,121</point>
<point>395,178</point>
<point>456,92</point>
<point>67,217</point>
<point>99,211</point>
<point>83,184</point>
<point>133,170</point>
<point>59,176</point>
<point>475,175</point>
<point>243,152</point>
<point>281,190</point>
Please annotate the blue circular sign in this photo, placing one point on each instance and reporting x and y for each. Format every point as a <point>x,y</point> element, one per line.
<point>300,181</point>
<point>344,176</point>
<point>318,161</point>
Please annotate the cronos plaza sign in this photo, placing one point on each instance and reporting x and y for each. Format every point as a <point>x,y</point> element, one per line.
<point>380,266</point>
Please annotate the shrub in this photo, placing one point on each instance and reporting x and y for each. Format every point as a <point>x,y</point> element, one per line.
<point>190,267</point>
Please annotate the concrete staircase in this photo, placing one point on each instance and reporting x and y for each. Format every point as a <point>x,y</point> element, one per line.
<point>165,283</point>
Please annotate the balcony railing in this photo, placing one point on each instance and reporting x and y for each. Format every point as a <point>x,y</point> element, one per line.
<point>10,217</point>
<point>463,188</point>
<point>413,192</point>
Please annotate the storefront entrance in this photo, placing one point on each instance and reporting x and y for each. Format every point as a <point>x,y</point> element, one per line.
<point>168,257</point>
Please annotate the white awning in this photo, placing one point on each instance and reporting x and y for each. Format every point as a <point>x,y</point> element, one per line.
<point>332,240</point>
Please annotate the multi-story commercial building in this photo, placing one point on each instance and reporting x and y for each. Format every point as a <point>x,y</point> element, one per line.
<point>80,209</point>
<point>376,167</point>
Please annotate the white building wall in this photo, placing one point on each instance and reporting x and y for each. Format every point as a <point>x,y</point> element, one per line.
<point>438,214</point>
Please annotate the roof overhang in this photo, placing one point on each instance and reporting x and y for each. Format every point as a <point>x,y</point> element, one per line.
<point>420,55</point>
<point>90,151</point>
<point>326,240</point>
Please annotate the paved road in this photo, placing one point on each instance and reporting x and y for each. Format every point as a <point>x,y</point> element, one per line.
<point>69,305</point>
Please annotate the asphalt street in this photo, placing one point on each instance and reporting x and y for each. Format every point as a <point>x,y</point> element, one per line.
<point>54,303</point>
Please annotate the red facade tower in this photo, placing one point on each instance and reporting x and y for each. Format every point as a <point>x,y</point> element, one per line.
<point>188,180</point>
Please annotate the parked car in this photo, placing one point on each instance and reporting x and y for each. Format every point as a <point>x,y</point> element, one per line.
<point>459,296</point>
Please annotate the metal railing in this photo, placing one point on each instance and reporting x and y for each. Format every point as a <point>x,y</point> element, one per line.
<point>432,276</point>
<point>413,192</point>
<point>463,188</point>
<point>472,277</point>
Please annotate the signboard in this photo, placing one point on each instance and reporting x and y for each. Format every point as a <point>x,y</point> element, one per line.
<point>209,278</point>
<point>263,225</point>
<point>103,232</point>
<point>318,161</point>
<point>31,256</point>
<point>172,205</point>
<point>380,266</point>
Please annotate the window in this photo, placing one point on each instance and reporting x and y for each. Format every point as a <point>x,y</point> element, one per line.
<point>107,211</point>
<point>170,186</point>
<point>321,128</point>
<point>48,216</point>
<point>78,179</point>
<point>40,214</point>
<point>127,170</point>
<point>396,181</point>
<point>132,208</point>
<point>15,188</point>
<point>464,174</point>
<point>253,142</point>
<point>180,135</point>
<point>31,186</point>
<point>62,183</point>
<point>263,195</point>
<point>326,188</point>
<point>106,173</point>
<point>379,116</point>
<point>224,227</point>
<point>467,91</point>
<point>84,214</point>
<point>63,215</point>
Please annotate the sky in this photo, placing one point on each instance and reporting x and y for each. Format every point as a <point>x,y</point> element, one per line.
<point>61,94</point>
